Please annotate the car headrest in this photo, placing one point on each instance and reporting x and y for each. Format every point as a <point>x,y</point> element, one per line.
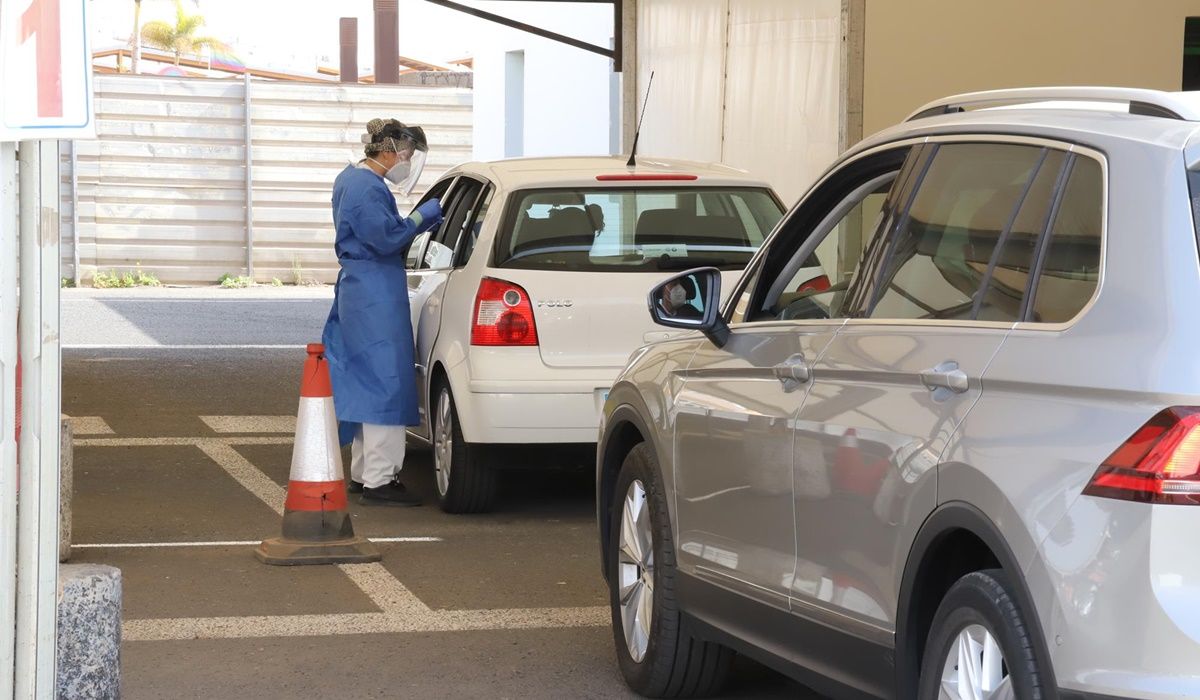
<point>661,226</point>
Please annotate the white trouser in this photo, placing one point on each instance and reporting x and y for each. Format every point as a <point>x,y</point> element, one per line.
<point>377,454</point>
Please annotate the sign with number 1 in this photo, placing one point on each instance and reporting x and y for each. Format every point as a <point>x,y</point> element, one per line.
<point>45,70</point>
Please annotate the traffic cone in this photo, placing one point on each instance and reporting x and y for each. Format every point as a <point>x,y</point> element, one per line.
<point>316,526</point>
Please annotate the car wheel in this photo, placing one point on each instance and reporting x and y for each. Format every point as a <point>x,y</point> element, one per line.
<point>979,645</point>
<point>657,656</point>
<point>466,481</point>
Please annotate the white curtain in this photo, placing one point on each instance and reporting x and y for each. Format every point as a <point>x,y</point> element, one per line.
<point>683,43</point>
<point>751,83</point>
<point>781,94</point>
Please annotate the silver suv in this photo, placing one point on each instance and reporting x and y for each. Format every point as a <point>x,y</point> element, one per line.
<point>962,458</point>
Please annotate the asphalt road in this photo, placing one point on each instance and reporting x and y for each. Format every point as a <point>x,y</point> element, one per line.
<point>184,403</point>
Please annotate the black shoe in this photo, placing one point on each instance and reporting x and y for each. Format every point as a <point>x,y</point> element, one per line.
<point>355,486</point>
<point>392,493</point>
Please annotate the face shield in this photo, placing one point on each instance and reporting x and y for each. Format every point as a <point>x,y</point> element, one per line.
<point>408,181</point>
<point>407,142</point>
<point>412,143</point>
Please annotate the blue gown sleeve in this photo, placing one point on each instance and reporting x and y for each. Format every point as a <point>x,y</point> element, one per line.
<point>377,225</point>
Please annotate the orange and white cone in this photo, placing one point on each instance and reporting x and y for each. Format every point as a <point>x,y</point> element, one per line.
<point>316,526</point>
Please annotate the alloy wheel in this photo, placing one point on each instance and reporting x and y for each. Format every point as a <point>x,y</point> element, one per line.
<point>443,442</point>
<point>635,571</point>
<point>975,668</point>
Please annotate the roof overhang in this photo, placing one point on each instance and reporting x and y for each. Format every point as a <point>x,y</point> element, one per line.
<point>614,53</point>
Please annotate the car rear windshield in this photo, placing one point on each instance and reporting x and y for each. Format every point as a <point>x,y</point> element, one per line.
<point>635,230</point>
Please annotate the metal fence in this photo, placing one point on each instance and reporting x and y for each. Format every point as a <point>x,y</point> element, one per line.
<point>191,179</point>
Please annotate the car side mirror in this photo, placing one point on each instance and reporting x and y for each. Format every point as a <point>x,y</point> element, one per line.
<point>691,300</point>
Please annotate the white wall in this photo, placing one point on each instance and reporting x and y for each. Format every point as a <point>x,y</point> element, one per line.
<point>751,83</point>
<point>567,90</point>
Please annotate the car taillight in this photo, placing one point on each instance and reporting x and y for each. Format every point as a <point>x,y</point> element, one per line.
<point>503,315</point>
<point>816,284</point>
<point>1160,463</point>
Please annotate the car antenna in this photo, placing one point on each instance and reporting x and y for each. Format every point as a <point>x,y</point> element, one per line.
<point>632,163</point>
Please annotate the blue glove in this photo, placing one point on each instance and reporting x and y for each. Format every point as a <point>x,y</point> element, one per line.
<point>428,214</point>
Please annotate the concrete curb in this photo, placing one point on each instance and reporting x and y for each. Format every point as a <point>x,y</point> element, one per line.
<point>89,632</point>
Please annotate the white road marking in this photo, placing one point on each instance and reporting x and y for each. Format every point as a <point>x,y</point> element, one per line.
<point>362,623</point>
<point>385,591</point>
<point>90,425</point>
<point>246,474</point>
<point>401,610</point>
<point>229,543</point>
<point>152,346</point>
<point>251,424</point>
<point>181,441</point>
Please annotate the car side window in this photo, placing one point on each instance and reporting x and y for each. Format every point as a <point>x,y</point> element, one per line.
<point>936,261</point>
<point>1069,269</point>
<point>808,267</point>
<point>416,249</point>
<point>474,226</point>
<point>439,254</point>
<point>818,288</point>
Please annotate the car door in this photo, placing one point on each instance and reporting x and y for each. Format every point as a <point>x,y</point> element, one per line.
<point>427,283</point>
<point>737,404</point>
<point>929,313</point>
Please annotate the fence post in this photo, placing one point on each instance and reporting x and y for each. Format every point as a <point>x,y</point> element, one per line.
<point>74,213</point>
<point>249,185</point>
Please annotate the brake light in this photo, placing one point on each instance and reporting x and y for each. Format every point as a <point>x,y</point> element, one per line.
<point>1160,463</point>
<point>646,177</point>
<point>816,284</point>
<point>503,315</point>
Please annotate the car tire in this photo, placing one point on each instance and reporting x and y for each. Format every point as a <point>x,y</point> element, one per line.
<point>463,475</point>
<point>663,661</point>
<point>979,616</point>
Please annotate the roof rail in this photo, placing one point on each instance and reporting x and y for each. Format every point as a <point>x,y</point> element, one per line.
<point>1154,103</point>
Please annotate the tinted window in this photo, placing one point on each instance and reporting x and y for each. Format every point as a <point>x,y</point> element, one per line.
<point>938,256</point>
<point>475,227</point>
<point>1070,267</point>
<point>1014,260</point>
<point>635,230</point>
<point>458,209</point>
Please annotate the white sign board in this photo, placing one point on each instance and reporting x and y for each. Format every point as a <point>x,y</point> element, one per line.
<point>45,70</point>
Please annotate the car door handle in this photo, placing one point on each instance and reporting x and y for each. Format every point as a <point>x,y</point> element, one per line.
<point>793,372</point>
<point>945,376</point>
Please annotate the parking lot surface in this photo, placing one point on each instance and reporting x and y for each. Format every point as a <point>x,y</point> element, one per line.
<point>184,417</point>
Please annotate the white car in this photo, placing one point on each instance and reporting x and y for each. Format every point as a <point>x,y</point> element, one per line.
<point>530,297</point>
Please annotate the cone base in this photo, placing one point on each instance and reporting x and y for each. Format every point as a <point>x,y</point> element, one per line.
<point>280,551</point>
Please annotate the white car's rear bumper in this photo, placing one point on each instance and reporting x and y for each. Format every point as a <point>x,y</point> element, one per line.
<point>531,418</point>
<point>508,396</point>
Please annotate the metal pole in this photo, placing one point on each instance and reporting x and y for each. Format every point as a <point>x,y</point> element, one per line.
<point>37,510</point>
<point>249,186</point>
<point>8,416</point>
<point>74,214</point>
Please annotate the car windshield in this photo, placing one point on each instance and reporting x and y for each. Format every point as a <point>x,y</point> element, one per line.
<point>635,230</point>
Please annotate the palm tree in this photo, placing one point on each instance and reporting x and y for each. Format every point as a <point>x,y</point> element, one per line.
<point>179,39</point>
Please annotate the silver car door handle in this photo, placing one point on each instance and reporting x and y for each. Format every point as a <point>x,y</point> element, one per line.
<point>793,372</point>
<point>945,376</point>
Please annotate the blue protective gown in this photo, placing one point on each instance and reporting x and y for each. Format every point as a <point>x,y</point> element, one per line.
<point>368,336</point>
